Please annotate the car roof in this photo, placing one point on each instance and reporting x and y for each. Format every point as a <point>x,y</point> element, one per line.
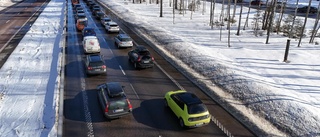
<point>114,88</point>
<point>112,23</point>
<point>188,98</point>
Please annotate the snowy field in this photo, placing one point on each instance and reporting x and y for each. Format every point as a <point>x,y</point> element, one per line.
<point>29,80</point>
<point>250,76</point>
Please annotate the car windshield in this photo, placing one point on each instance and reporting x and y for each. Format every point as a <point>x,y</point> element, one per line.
<point>197,108</point>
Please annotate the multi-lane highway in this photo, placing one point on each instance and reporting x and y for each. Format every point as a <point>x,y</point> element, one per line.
<point>145,88</point>
<point>15,22</point>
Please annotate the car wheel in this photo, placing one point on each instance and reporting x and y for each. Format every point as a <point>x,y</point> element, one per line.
<point>181,123</point>
<point>166,103</point>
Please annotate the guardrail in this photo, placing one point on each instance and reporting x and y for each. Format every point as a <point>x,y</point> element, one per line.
<point>62,73</point>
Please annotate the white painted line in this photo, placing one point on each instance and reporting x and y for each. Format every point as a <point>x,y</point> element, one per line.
<point>7,21</point>
<point>174,81</point>
<point>122,70</point>
<point>134,91</point>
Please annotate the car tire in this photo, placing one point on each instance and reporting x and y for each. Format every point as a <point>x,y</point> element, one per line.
<point>181,123</point>
<point>166,103</point>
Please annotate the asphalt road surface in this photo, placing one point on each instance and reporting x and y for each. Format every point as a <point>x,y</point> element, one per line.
<point>145,89</point>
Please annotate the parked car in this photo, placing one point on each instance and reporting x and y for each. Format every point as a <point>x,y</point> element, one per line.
<point>123,41</point>
<point>112,27</point>
<point>88,31</point>
<point>105,20</point>
<point>188,108</point>
<point>91,44</point>
<point>113,100</point>
<point>140,57</point>
<point>81,24</point>
<point>94,64</point>
<point>304,9</point>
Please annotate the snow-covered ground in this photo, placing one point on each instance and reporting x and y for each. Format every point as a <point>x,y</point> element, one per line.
<point>29,80</point>
<point>252,74</point>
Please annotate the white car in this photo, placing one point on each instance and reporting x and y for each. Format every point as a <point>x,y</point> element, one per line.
<point>123,41</point>
<point>105,20</point>
<point>112,27</point>
<point>91,44</point>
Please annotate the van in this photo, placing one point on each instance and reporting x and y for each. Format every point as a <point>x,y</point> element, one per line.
<point>91,44</point>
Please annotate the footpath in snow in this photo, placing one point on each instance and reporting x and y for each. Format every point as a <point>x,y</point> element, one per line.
<point>29,80</point>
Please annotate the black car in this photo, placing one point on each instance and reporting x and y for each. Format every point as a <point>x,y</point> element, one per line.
<point>113,100</point>
<point>94,64</point>
<point>100,15</point>
<point>88,31</point>
<point>141,58</point>
<point>304,9</point>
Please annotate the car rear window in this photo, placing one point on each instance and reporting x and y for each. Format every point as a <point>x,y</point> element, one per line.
<point>197,108</point>
<point>144,53</point>
<point>97,63</point>
<point>119,103</point>
<point>126,39</point>
<point>113,25</point>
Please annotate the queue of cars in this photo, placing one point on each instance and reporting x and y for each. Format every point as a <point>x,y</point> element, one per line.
<point>112,98</point>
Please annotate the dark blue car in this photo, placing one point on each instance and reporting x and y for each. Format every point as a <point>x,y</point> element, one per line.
<point>87,31</point>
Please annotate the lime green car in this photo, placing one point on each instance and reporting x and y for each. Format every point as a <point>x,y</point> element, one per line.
<point>188,108</point>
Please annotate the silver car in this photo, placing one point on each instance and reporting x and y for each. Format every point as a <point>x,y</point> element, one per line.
<point>123,41</point>
<point>112,27</point>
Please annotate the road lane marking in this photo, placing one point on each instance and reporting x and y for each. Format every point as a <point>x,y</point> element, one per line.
<point>174,81</point>
<point>134,91</point>
<point>122,70</point>
<point>87,113</point>
<point>7,21</point>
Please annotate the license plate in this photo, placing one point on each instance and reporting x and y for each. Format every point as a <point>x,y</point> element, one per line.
<point>145,61</point>
<point>199,124</point>
<point>97,69</point>
<point>118,110</point>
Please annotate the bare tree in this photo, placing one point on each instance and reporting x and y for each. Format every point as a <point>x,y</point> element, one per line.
<point>229,21</point>
<point>304,24</point>
<point>234,8</point>
<point>294,18</point>
<point>238,32</point>
<point>247,19</point>
<point>314,30</point>
<point>273,3</point>
<point>282,8</point>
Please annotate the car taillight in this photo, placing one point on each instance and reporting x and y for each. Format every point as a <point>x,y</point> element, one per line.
<point>139,58</point>
<point>89,68</point>
<point>107,108</point>
<point>129,104</point>
<point>152,58</point>
<point>104,66</point>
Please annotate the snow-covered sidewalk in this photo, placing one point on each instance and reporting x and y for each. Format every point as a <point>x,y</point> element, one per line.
<point>29,80</point>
